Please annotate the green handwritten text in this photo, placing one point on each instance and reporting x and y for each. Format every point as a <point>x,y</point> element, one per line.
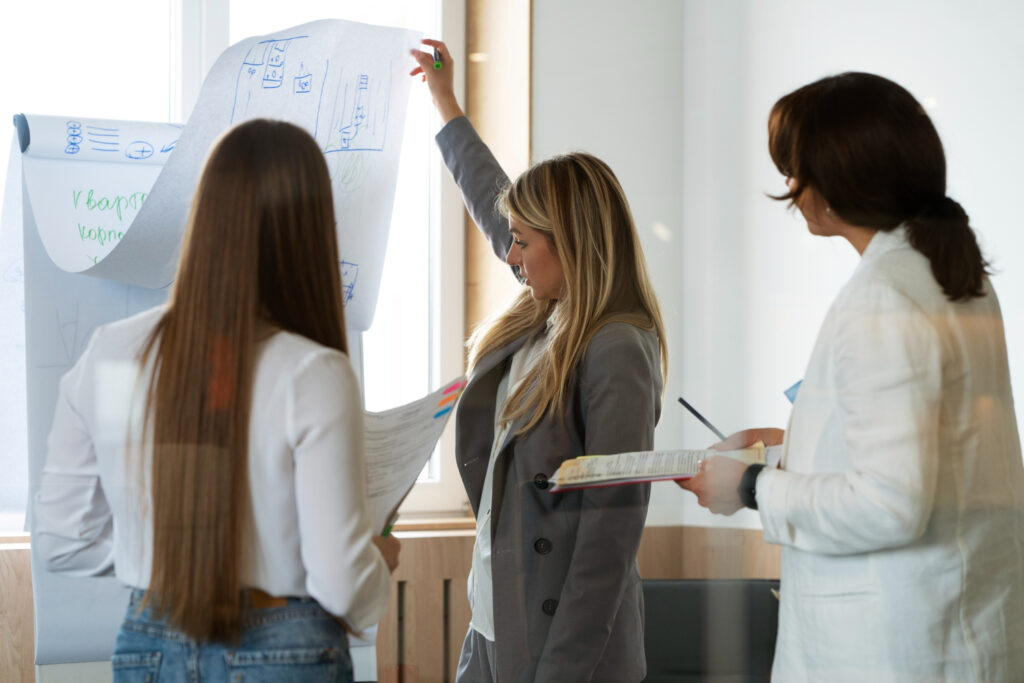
<point>117,203</point>
<point>99,235</point>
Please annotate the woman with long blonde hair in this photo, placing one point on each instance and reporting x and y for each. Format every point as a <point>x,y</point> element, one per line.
<point>573,366</point>
<point>235,508</point>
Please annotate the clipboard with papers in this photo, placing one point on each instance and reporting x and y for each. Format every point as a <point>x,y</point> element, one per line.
<point>597,471</point>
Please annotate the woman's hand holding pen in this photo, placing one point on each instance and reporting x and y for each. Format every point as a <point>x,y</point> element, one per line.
<point>440,81</point>
<point>717,483</point>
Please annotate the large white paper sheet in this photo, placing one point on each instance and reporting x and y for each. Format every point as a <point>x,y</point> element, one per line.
<point>398,444</point>
<point>112,197</point>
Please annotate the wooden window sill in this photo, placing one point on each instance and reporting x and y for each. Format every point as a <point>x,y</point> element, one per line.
<point>14,541</point>
<point>429,523</point>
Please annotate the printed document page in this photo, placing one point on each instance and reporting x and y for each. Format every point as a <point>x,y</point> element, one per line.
<point>398,445</point>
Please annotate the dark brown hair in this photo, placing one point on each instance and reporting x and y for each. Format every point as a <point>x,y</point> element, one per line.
<point>870,149</point>
<point>260,253</point>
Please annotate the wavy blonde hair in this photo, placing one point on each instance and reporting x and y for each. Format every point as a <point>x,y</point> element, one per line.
<point>577,202</point>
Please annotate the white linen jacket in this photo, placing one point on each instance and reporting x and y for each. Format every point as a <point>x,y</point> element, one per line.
<point>899,505</point>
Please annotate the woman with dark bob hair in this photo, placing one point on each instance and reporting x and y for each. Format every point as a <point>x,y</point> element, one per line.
<point>898,500</point>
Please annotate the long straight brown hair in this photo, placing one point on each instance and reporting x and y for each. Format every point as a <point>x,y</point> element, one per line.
<point>260,253</point>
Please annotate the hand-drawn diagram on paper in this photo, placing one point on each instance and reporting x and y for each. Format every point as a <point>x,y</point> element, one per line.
<point>345,107</point>
<point>111,198</point>
<point>349,275</point>
<point>107,139</point>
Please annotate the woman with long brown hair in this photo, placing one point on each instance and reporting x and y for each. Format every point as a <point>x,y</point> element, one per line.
<point>573,366</point>
<point>899,501</point>
<point>235,508</point>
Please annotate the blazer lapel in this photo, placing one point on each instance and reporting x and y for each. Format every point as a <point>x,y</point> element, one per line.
<point>489,361</point>
<point>501,470</point>
<point>504,453</point>
<point>474,428</point>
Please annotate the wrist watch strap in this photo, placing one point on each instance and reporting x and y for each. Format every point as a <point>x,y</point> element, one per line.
<point>748,486</point>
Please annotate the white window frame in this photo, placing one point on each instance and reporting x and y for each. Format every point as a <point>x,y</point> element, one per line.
<point>200,30</point>
<point>199,33</point>
<point>447,294</point>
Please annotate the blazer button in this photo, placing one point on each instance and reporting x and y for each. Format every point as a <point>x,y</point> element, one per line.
<point>542,546</point>
<point>549,607</point>
<point>540,481</point>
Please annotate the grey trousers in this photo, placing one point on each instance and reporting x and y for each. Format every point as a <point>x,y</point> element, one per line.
<point>476,663</point>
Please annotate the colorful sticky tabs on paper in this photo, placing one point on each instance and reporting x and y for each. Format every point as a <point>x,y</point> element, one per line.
<point>457,385</point>
<point>450,394</point>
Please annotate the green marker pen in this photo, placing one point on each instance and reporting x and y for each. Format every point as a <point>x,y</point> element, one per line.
<point>390,525</point>
<point>437,60</point>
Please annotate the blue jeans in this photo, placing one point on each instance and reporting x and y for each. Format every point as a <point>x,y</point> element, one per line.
<point>292,644</point>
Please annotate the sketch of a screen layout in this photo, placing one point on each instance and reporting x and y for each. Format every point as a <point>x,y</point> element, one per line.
<point>349,275</point>
<point>274,76</point>
<point>111,140</point>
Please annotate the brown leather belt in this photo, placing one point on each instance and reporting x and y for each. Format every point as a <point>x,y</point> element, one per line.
<point>261,600</point>
<point>254,598</point>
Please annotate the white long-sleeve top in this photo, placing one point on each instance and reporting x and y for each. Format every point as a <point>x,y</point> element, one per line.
<point>481,578</point>
<point>306,525</point>
<point>899,504</point>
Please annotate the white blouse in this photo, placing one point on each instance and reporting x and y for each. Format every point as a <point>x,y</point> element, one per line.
<point>306,525</point>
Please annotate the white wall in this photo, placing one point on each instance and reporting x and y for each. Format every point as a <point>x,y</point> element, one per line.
<point>675,96</point>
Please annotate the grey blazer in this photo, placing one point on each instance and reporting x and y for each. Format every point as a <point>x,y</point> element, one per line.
<point>567,597</point>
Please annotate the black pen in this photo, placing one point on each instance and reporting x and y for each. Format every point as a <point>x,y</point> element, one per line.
<point>702,419</point>
<point>438,64</point>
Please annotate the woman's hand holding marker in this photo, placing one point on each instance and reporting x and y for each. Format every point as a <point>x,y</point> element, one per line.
<point>436,70</point>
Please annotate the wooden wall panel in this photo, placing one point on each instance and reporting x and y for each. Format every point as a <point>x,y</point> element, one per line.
<point>433,614</point>
<point>705,552</point>
<point>497,67</point>
<point>420,636</point>
<point>425,631</point>
<point>458,621</point>
<point>17,625</point>
<point>387,640</point>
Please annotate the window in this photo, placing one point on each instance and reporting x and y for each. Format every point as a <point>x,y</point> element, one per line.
<point>74,66</point>
<point>78,67</point>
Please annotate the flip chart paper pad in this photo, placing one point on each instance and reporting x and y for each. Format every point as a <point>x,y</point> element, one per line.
<point>13,488</point>
<point>87,179</point>
<point>76,619</point>
<point>112,197</point>
<point>398,445</point>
